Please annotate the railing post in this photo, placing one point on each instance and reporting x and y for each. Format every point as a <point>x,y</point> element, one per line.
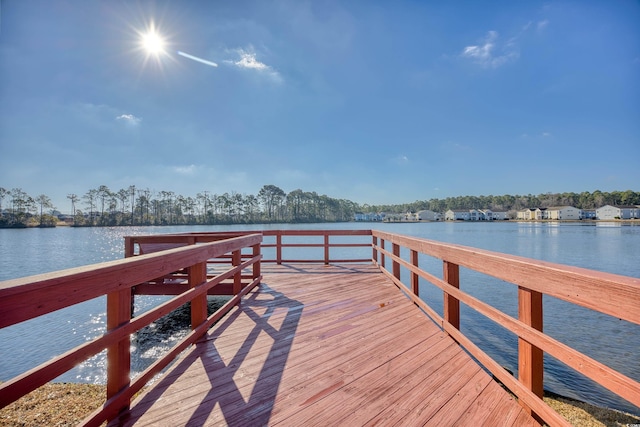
<point>326,249</point>
<point>118,354</point>
<point>129,248</point>
<point>129,245</point>
<point>236,259</point>
<point>396,264</point>
<point>530,357</point>
<point>415,279</point>
<point>382,257</point>
<point>197,276</point>
<point>451,274</point>
<point>374,255</point>
<point>257,265</point>
<point>279,248</point>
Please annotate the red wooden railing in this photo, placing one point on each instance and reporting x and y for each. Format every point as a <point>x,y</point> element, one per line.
<point>29,297</point>
<point>279,240</point>
<point>615,295</point>
<point>23,299</point>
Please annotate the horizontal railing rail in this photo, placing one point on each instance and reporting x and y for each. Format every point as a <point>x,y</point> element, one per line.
<point>138,244</point>
<point>26,298</point>
<point>611,294</point>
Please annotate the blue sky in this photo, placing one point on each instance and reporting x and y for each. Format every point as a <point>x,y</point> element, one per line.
<point>373,101</point>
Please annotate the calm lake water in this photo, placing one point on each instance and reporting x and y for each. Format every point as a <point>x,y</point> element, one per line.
<point>611,247</point>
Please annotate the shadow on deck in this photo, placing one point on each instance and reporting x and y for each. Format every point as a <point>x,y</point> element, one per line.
<point>317,345</point>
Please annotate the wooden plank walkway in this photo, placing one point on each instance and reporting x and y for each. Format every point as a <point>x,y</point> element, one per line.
<point>323,346</point>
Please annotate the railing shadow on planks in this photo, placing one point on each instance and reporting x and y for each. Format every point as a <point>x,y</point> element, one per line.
<point>192,265</point>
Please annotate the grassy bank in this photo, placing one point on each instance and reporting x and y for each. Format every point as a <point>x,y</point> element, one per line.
<point>65,404</point>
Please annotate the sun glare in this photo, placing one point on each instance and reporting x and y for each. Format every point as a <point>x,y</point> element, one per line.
<point>153,43</point>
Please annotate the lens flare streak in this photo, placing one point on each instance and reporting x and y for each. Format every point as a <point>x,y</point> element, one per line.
<point>195,58</point>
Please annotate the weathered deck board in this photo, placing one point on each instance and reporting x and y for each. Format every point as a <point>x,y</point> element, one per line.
<point>316,345</point>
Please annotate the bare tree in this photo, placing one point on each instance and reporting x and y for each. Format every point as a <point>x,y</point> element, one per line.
<point>74,199</point>
<point>3,193</point>
<point>90,199</point>
<point>44,202</point>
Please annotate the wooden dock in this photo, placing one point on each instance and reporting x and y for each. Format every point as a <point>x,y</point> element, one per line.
<point>325,345</point>
<point>318,332</point>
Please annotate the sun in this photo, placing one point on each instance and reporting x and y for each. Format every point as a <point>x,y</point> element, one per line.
<point>153,43</point>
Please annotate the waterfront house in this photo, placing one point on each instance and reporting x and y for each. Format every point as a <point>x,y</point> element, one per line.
<point>541,213</point>
<point>370,216</point>
<point>618,212</point>
<point>457,215</point>
<point>489,215</point>
<point>564,212</point>
<point>500,215</point>
<point>485,215</point>
<point>588,214</point>
<point>526,214</point>
<point>428,215</point>
<point>472,215</point>
<point>533,214</point>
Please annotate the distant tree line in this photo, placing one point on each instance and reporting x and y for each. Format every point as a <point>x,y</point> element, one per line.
<point>506,203</point>
<point>134,206</point>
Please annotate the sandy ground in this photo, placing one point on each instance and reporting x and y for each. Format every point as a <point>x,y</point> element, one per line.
<point>64,404</point>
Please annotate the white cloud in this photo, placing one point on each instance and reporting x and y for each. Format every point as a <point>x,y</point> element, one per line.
<point>249,61</point>
<point>129,119</point>
<point>543,24</point>
<point>537,135</point>
<point>489,53</point>
<point>185,170</point>
<point>401,160</point>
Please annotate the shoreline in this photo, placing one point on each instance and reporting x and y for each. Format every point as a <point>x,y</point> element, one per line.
<point>631,221</point>
<point>70,403</point>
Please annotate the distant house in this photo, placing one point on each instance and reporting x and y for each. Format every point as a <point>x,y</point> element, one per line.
<point>541,213</point>
<point>485,215</point>
<point>618,212</point>
<point>428,215</point>
<point>457,215</point>
<point>474,215</point>
<point>564,213</point>
<point>361,216</point>
<point>500,215</point>
<point>588,214</point>
<point>469,215</point>
<point>489,215</point>
<point>526,214</point>
<point>532,214</point>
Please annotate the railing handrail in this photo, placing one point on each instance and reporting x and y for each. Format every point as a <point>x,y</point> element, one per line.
<point>595,290</point>
<point>586,286</point>
<point>29,297</point>
<point>327,244</point>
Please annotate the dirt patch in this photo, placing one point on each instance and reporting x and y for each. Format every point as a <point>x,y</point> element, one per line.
<point>64,404</point>
<point>54,404</point>
<point>586,415</point>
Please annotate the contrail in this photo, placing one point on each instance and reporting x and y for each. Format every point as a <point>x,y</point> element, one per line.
<point>195,58</point>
